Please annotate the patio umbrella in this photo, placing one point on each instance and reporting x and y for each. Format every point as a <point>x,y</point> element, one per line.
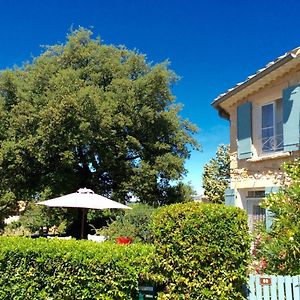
<point>83,199</point>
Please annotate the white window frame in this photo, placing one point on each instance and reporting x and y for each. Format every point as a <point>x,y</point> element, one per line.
<point>275,133</point>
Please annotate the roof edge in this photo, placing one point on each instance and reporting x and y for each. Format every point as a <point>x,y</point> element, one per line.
<point>272,66</point>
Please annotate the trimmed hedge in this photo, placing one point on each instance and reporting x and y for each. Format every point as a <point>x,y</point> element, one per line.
<point>202,251</point>
<point>60,269</point>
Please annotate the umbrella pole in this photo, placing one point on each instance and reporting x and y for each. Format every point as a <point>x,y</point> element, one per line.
<point>83,223</point>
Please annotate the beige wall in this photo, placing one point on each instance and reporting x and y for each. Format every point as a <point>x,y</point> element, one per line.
<point>261,170</point>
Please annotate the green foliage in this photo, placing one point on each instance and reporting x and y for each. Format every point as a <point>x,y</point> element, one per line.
<point>15,229</point>
<point>134,223</point>
<point>59,220</point>
<point>202,251</point>
<point>216,175</point>
<point>37,216</point>
<point>56,269</point>
<point>85,114</point>
<point>279,247</point>
<point>8,204</point>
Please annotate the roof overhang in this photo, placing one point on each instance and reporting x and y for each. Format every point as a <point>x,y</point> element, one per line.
<point>253,83</point>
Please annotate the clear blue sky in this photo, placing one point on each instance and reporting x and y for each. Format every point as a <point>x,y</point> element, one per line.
<point>211,44</point>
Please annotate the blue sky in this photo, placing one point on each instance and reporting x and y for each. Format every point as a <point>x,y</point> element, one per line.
<point>212,45</point>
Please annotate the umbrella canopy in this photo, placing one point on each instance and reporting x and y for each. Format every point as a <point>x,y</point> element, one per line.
<point>83,199</point>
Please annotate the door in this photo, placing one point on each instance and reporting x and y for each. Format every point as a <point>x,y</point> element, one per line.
<point>255,213</point>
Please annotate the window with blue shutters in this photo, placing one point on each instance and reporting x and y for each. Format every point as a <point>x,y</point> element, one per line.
<point>271,133</point>
<point>291,118</point>
<point>244,130</point>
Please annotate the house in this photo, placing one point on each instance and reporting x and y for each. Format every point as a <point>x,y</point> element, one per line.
<point>264,115</point>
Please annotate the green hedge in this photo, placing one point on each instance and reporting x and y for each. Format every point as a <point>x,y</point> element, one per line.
<point>202,251</point>
<point>59,269</point>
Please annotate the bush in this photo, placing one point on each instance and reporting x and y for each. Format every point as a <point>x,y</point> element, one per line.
<point>134,223</point>
<point>37,216</point>
<point>202,251</point>
<point>14,229</point>
<point>59,269</point>
<point>278,249</point>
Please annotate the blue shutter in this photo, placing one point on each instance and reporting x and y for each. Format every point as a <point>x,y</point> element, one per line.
<point>291,118</point>
<point>230,197</point>
<point>244,130</point>
<point>269,213</point>
<point>271,189</point>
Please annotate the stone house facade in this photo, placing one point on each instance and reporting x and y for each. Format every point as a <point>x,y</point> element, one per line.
<point>264,115</point>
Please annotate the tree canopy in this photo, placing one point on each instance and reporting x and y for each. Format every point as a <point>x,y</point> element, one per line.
<point>85,114</point>
<point>216,175</point>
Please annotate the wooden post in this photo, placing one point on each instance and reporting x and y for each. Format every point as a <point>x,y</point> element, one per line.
<point>83,233</point>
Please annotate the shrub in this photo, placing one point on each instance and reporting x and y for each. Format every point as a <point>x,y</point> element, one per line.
<point>134,223</point>
<point>279,247</point>
<point>14,229</point>
<point>202,251</point>
<point>37,216</point>
<point>59,269</point>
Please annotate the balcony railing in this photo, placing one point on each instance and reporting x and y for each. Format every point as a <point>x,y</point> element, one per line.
<point>272,143</point>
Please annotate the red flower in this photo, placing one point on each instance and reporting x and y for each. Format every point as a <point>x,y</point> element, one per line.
<point>123,240</point>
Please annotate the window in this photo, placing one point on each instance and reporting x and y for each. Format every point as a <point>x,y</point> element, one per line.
<point>256,194</point>
<point>272,127</point>
<point>255,213</point>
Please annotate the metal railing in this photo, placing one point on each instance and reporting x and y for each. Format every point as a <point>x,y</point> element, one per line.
<point>272,143</point>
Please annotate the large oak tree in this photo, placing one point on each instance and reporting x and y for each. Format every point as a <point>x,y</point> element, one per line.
<point>85,114</point>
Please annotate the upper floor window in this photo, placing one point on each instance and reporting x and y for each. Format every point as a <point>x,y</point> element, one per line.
<point>277,126</point>
<point>272,127</point>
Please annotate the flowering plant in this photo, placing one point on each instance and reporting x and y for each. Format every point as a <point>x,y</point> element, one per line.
<point>278,249</point>
<point>124,240</point>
